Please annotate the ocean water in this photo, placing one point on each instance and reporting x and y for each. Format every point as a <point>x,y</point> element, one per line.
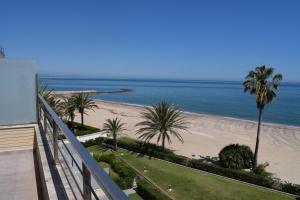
<point>223,98</point>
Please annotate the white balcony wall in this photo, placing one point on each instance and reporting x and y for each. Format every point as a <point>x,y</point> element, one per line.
<point>17,91</point>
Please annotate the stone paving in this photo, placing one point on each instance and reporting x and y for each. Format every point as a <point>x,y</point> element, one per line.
<point>17,175</point>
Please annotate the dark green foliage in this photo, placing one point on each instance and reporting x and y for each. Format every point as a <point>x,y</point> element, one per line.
<point>135,196</point>
<point>68,110</point>
<point>261,170</point>
<point>235,156</point>
<point>80,130</point>
<point>83,130</point>
<point>92,142</point>
<point>126,174</point>
<point>162,120</point>
<point>232,173</point>
<point>54,102</point>
<point>264,85</point>
<point>114,127</point>
<point>83,102</point>
<point>291,188</point>
<point>149,192</point>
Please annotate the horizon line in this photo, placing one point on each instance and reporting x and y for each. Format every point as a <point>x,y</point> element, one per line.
<point>73,76</point>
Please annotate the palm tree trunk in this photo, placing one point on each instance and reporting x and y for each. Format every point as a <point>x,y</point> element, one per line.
<point>115,141</point>
<point>81,119</point>
<point>163,142</point>
<point>72,124</point>
<point>257,137</point>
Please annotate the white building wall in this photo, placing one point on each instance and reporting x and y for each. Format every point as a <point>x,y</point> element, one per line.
<point>17,91</point>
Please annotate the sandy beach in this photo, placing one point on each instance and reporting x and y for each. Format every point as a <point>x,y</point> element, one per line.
<point>207,135</point>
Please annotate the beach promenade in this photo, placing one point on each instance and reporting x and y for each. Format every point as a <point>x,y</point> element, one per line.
<point>207,135</point>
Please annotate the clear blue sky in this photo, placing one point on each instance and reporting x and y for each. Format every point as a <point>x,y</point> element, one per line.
<point>154,39</point>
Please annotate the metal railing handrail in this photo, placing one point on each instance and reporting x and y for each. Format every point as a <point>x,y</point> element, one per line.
<point>110,188</point>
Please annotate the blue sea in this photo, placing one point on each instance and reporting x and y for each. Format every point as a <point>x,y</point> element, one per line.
<point>223,98</point>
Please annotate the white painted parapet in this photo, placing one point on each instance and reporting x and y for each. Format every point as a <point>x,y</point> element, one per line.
<point>17,91</point>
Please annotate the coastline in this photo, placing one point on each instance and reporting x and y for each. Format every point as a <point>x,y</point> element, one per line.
<point>68,93</point>
<point>208,134</point>
<point>274,125</point>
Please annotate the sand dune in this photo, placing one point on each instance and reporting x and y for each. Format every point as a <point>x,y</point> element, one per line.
<point>207,135</point>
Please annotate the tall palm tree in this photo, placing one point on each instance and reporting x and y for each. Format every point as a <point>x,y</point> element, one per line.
<point>84,102</point>
<point>162,120</point>
<point>114,127</point>
<point>69,109</point>
<point>263,84</point>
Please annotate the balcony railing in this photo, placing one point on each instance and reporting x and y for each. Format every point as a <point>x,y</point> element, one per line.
<point>86,178</point>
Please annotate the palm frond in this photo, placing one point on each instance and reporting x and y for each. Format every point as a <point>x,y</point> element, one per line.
<point>114,126</point>
<point>84,102</point>
<point>263,84</point>
<point>162,120</point>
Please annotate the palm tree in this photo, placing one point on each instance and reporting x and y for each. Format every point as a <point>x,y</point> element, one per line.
<point>84,102</point>
<point>47,94</point>
<point>57,106</point>
<point>54,102</point>
<point>162,120</point>
<point>264,86</point>
<point>69,109</point>
<point>114,127</point>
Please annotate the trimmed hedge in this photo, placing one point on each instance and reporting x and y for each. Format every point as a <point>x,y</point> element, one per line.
<point>153,150</point>
<point>79,131</point>
<point>231,173</point>
<point>126,174</point>
<point>291,188</point>
<point>149,192</point>
<point>92,142</point>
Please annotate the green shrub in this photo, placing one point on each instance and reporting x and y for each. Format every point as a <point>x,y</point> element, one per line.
<point>149,149</point>
<point>92,142</point>
<point>231,173</point>
<point>126,174</point>
<point>235,156</point>
<point>291,188</point>
<point>79,130</point>
<point>149,192</point>
<point>261,170</point>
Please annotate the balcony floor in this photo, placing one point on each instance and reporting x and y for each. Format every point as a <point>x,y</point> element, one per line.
<point>17,175</point>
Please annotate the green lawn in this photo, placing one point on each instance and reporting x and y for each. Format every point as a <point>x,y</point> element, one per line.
<point>189,184</point>
<point>135,197</point>
<point>112,173</point>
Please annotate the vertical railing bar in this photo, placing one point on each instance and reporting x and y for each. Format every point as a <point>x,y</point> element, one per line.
<point>86,181</point>
<point>55,142</point>
<point>77,166</point>
<point>38,117</point>
<point>72,189</point>
<point>73,176</point>
<point>60,163</point>
<point>72,157</point>
<point>45,122</point>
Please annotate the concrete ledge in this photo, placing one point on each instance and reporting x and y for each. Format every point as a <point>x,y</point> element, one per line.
<point>51,182</point>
